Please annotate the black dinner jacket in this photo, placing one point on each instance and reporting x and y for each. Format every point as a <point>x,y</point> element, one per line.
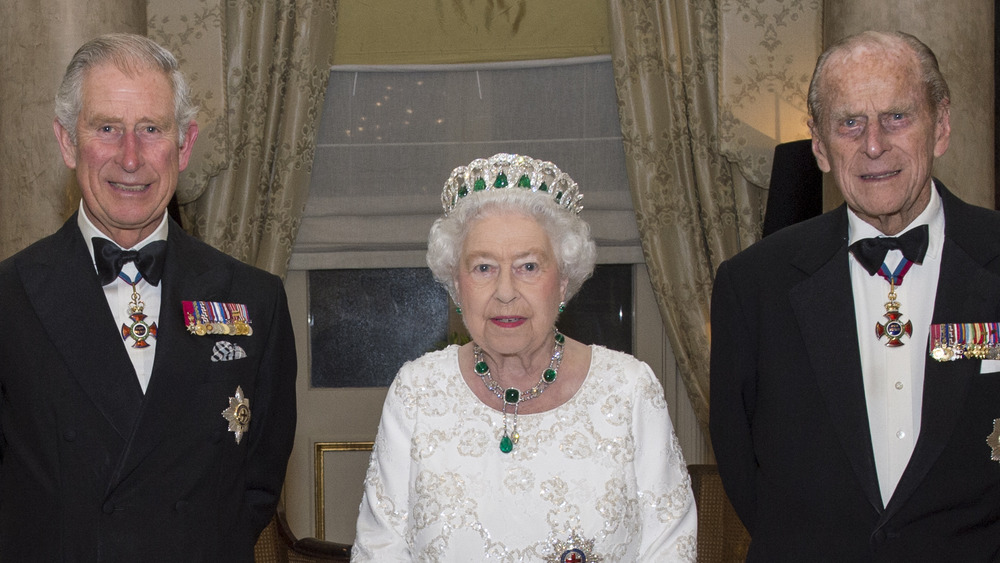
<point>788,418</point>
<point>93,470</point>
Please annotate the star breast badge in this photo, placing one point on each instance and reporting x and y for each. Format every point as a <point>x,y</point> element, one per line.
<point>993,440</point>
<point>238,414</point>
<point>575,549</point>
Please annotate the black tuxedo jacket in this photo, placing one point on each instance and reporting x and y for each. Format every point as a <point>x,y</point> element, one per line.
<point>788,418</point>
<point>92,469</point>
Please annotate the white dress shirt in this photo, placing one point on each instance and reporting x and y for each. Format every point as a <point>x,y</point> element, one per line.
<point>894,376</point>
<point>119,295</point>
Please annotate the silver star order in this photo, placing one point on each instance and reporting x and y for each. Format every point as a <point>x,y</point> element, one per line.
<point>993,440</point>
<point>562,547</point>
<point>238,414</point>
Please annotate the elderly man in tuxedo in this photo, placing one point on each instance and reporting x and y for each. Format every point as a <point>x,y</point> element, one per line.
<point>855,408</point>
<point>147,380</point>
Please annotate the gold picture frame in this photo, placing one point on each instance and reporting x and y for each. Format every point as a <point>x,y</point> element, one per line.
<point>320,451</point>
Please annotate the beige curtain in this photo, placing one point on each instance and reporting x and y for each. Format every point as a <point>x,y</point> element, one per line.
<point>693,207</point>
<point>767,51</point>
<point>259,69</point>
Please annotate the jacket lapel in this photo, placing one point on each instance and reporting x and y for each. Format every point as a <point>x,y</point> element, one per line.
<point>65,291</point>
<point>824,308</point>
<point>189,273</point>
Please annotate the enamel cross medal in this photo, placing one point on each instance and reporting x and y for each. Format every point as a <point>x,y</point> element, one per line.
<point>894,328</point>
<point>138,330</point>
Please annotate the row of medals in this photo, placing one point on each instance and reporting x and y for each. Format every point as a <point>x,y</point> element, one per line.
<point>234,327</point>
<point>947,351</point>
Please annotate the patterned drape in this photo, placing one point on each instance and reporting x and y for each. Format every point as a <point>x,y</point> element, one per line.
<point>259,72</point>
<point>767,51</point>
<point>693,206</point>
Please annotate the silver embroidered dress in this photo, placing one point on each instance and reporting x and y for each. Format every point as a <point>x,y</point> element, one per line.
<point>603,473</point>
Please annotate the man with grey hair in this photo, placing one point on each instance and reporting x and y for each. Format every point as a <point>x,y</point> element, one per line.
<point>855,397</point>
<point>147,392</point>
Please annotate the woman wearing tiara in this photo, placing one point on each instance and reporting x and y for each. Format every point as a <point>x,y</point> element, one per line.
<point>524,444</point>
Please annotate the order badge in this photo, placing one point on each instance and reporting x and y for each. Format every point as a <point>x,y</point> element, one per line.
<point>238,414</point>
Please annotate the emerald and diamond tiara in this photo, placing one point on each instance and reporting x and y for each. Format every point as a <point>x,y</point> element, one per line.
<point>511,171</point>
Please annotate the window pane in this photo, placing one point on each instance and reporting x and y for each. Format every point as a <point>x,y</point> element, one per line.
<point>364,324</point>
<point>602,312</point>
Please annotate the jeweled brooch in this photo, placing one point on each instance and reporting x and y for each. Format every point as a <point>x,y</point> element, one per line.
<point>993,440</point>
<point>238,414</point>
<point>574,550</point>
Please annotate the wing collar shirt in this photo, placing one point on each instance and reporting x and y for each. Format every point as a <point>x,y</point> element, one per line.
<point>119,295</point>
<point>894,376</point>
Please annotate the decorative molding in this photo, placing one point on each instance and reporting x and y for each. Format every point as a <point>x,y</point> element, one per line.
<point>320,449</point>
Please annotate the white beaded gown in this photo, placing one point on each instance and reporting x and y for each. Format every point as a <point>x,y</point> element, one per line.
<point>600,479</point>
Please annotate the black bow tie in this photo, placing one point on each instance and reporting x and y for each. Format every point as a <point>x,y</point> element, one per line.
<point>871,252</point>
<point>110,259</point>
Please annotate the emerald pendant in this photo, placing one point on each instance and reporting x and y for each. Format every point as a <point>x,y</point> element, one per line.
<point>482,368</point>
<point>524,181</point>
<point>501,181</point>
<point>506,445</point>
